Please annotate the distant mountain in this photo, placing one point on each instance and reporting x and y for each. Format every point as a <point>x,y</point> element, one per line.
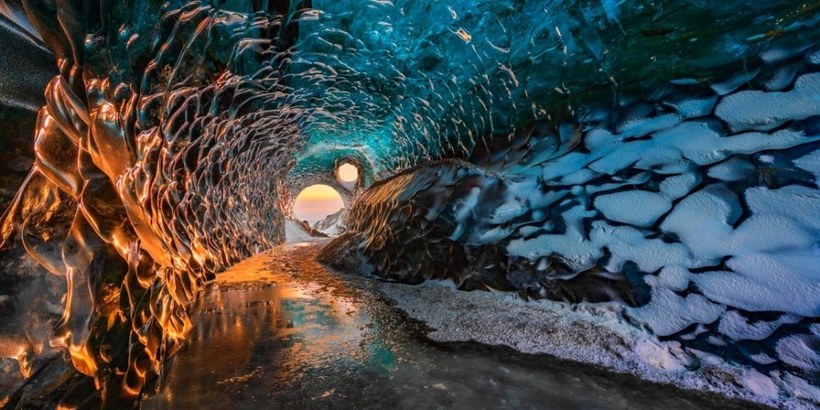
<point>333,224</point>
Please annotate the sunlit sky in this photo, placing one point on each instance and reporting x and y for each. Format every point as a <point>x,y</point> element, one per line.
<point>316,202</point>
<point>348,173</point>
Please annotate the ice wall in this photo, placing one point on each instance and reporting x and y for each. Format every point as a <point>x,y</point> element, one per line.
<point>697,210</point>
<point>176,134</point>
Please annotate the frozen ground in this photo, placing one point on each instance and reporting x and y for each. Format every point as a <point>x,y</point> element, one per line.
<point>595,334</point>
<point>280,330</point>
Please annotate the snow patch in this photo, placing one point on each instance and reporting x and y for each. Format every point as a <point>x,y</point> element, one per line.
<point>294,232</point>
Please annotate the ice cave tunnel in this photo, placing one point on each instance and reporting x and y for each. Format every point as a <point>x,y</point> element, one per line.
<point>544,204</point>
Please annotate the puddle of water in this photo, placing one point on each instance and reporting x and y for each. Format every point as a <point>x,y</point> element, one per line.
<point>281,331</point>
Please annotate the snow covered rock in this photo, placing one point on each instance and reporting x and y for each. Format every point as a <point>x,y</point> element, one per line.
<point>333,224</point>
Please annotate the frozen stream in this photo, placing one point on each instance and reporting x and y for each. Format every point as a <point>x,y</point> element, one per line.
<point>281,331</point>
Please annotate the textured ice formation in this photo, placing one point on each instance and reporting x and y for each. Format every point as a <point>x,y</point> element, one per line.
<point>623,206</point>
<point>586,147</point>
<point>710,236</point>
<point>766,110</point>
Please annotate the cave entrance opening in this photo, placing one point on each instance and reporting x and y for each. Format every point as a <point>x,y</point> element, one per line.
<point>348,175</point>
<point>317,202</point>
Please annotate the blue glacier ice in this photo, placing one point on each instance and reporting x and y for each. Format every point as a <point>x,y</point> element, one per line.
<point>658,154</point>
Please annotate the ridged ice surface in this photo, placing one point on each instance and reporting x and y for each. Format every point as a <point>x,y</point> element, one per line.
<point>709,235</point>
<point>177,135</point>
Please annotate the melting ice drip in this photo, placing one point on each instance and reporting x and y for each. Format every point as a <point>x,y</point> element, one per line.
<point>176,135</point>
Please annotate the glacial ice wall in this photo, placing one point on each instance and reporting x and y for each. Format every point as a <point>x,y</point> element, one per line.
<point>176,134</point>
<point>697,210</point>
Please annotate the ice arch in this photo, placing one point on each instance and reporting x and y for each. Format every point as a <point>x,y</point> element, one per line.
<point>176,135</point>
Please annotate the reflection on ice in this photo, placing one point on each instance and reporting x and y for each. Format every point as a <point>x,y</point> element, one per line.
<point>258,330</point>
<point>281,331</point>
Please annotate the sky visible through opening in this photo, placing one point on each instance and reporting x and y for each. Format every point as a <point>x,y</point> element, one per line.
<point>348,173</point>
<point>316,202</point>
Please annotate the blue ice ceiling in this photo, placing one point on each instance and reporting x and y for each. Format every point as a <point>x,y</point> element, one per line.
<point>587,144</point>
<point>403,81</point>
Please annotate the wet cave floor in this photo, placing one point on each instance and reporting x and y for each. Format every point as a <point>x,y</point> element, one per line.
<point>282,331</point>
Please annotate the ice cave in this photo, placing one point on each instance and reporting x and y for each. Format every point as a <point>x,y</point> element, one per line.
<point>523,204</point>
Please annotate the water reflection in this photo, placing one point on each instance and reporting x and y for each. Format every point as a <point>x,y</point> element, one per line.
<point>281,331</point>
